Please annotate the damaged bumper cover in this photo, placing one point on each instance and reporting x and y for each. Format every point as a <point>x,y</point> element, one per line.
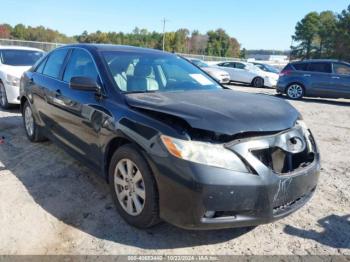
<point>196,196</point>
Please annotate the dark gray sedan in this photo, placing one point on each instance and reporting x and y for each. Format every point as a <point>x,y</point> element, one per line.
<point>317,78</point>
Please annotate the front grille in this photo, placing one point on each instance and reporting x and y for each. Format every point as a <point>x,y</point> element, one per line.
<point>283,162</point>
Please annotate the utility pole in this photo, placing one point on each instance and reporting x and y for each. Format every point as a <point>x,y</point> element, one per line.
<point>164,21</point>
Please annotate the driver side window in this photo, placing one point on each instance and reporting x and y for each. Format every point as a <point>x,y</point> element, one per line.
<point>80,64</point>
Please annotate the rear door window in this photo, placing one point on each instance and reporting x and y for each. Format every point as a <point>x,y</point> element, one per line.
<point>54,63</point>
<point>341,69</point>
<point>321,67</point>
<point>300,66</point>
<point>239,65</point>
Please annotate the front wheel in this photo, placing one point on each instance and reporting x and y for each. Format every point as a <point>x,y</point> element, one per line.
<point>258,82</point>
<point>133,187</point>
<point>295,91</point>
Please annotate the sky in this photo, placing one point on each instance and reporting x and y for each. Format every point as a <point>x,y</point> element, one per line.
<point>257,24</point>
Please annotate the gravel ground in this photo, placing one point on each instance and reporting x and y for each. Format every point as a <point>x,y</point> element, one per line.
<point>51,204</point>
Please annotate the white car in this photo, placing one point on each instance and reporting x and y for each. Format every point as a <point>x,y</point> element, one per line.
<point>14,61</point>
<point>248,73</point>
<point>220,75</point>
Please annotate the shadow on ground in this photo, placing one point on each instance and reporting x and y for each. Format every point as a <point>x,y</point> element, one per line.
<point>336,231</point>
<point>320,101</point>
<point>74,195</point>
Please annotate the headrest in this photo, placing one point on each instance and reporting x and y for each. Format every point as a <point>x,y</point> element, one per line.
<point>143,70</point>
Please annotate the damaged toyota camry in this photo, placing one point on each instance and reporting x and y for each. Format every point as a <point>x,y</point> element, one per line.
<point>172,143</point>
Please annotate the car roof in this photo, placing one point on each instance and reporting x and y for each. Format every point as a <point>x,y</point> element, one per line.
<point>317,60</point>
<point>120,48</point>
<point>14,47</point>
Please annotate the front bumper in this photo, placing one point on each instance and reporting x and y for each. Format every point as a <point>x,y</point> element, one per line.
<point>12,93</point>
<point>188,190</point>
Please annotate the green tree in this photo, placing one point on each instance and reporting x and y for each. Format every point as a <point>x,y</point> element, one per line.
<point>326,33</point>
<point>306,32</point>
<point>342,36</point>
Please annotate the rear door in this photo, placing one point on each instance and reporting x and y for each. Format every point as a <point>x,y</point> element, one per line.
<point>341,78</point>
<point>241,73</point>
<point>46,82</point>
<point>80,112</point>
<point>320,79</point>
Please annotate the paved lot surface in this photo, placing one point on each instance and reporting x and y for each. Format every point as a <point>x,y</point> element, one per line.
<point>51,204</point>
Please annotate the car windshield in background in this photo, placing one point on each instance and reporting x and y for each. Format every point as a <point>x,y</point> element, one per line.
<point>268,68</point>
<point>145,72</point>
<point>20,57</point>
<point>199,63</point>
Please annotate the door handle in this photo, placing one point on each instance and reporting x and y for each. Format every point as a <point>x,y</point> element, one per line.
<point>335,77</point>
<point>307,75</point>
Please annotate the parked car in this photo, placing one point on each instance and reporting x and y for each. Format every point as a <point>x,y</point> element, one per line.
<point>14,60</point>
<point>267,68</point>
<point>170,141</point>
<point>220,75</point>
<point>315,78</point>
<point>244,72</point>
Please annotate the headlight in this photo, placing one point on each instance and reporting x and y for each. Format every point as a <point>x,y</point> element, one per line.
<point>204,153</point>
<point>12,80</point>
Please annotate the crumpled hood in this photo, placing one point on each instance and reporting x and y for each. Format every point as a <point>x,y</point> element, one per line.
<point>223,111</point>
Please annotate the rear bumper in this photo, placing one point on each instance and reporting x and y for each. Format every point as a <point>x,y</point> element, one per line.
<point>12,93</point>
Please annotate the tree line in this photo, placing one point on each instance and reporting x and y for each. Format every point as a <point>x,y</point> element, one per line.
<point>214,42</point>
<point>323,35</point>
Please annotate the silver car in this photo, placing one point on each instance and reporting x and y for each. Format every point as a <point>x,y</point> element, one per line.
<point>220,75</point>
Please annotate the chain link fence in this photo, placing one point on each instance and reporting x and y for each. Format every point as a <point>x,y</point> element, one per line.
<point>46,46</point>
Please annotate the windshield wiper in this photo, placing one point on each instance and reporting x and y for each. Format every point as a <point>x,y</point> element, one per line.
<point>140,92</point>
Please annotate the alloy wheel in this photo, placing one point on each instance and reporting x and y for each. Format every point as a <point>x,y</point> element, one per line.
<point>129,187</point>
<point>295,91</point>
<point>29,121</point>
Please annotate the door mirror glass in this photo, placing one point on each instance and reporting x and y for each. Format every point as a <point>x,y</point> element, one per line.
<point>84,84</point>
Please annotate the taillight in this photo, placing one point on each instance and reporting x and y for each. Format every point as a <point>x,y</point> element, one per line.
<point>285,72</point>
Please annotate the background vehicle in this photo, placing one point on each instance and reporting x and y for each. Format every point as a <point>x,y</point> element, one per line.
<point>14,60</point>
<point>318,78</point>
<point>220,75</point>
<point>244,72</point>
<point>166,139</point>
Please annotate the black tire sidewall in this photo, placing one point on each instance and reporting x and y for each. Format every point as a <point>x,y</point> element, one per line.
<point>150,214</point>
<point>255,81</point>
<point>37,136</point>
<point>6,105</point>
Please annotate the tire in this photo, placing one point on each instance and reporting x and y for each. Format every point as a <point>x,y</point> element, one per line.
<point>3,97</point>
<point>295,91</point>
<point>33,131</point>
<point>258,82</point>
<point>139,189</point>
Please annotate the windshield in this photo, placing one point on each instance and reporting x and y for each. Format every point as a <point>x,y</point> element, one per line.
<point>268,68</point>
<point>146,72</point>
<point>20,57</point>
<point>199,63</point>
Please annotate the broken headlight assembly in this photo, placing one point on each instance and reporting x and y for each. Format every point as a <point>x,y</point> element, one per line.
<point>204,153</point>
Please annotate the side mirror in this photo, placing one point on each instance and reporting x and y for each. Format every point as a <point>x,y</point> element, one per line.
<point>84,84</point>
